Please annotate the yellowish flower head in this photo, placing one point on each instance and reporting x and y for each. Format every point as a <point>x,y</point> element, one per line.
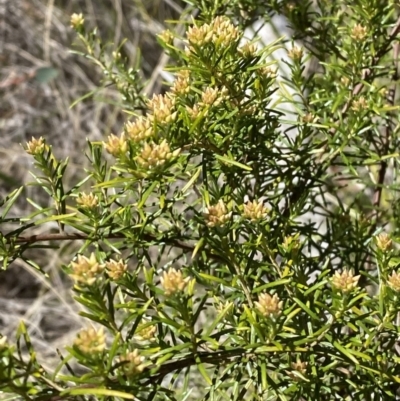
<point>132,363</point>
<point>269,306</point>
<point>86,270</point>
<point>35,146</point>
<point>91,341</point>
<point>344,282</point>
<point>173,282</point>
<point>154,155</point>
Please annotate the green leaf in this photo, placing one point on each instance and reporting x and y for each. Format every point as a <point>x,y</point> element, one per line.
<point>306,309</point>
<point>219,317</point>
<point>272,284</point>
<point>203,371</point>
<point>97,391</point>
<point>45,74</point>
<point>227,160</point>
<point>198,247</point>
<point>10,200</point>
<point>147,193</point>
<point>192,180</point>
<point>59,217</point>
<point>345,352</point>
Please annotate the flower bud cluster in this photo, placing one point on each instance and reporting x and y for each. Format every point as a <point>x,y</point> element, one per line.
<point>117,147</point>
<point>217,215</point>
<point>248,50</point>
<point>345,282</point>
<point>115,269</point>
<point>162,107</point>
<point>173,282</point>
<point>221,32</point>
<point>76,20</point>
<point>145,333</point>
<point>139,129</point>
<point>213,96</point>
<point>193,111</point>
<point>86,270</point>
<point>300,367</point>
<point>269,306</point>
<point>166,36</point>
<point>35,146</point>
<point>358,33</point>
<point>132,363</point>
<point>154,155</point>
<point>267,72</point>
<point>182,83</point>
<point>254,211</point>
<point>383,242</point>
<point>296,53</point>
<point>91,341</point>
<point>359,104</point>
<point>88,201</point>
<point>394,281</point>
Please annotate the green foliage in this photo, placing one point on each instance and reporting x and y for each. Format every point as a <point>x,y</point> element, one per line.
<point>233,239</point>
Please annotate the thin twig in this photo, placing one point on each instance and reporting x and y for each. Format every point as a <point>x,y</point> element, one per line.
<point>301,188</point>
<point>80,236</point>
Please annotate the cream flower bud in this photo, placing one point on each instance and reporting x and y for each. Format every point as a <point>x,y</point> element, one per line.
<point>116,146</point>
<point>115,269</point>
<point>224,32</point>
<point>254,211</point>
<point>76,20</point>
<point>269,306</point>
<point>166,36</point>
<point>359,104</point>
<point>300,367</point>
<point>213,96</point>
<point>344,282</point>
<point>193,111</point>
<point>217,215</point>
<point>358,32</point>
<point>132,363</point>
<point>35,146</point>
<point>248,50</point>
<point>296,53</point>
<point>173,282</point>
<point>3,343</point>
<point>248,108</point>
<point>86,270</point>
<point>145,333</point>
<point>153,155</point>
<point>181,84</point>
<point>89,201</point>
<point>162,107</point>
<point>309,118</point>
<point>139,129</point>
<point>199,35</point>
<point>383,242</point>
<point>267,72</point>
<point>394,281</point>
<point>91,341</point>
<point>345,81</point>
<point>291,243</point>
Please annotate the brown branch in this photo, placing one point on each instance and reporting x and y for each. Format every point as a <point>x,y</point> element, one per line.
<point>31,239</point>
<point>80,236</point>
<point>383,165</point>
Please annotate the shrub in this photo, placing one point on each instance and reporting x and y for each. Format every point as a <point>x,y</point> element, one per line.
<point>235,234</point>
